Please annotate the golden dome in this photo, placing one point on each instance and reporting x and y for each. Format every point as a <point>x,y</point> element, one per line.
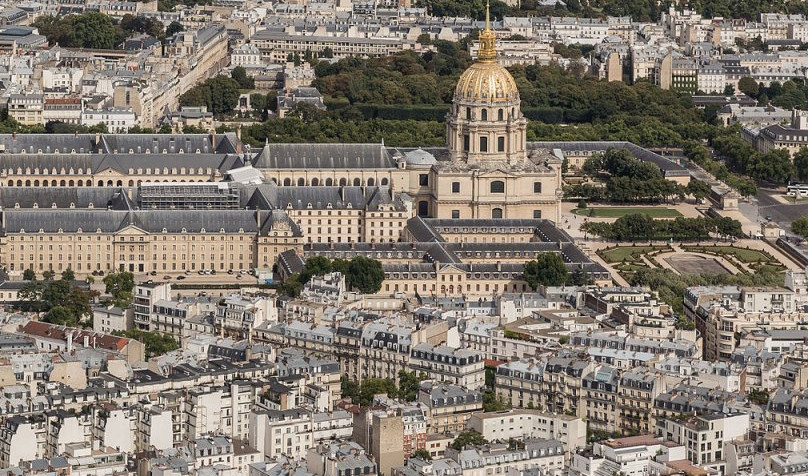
<point>486,80</point>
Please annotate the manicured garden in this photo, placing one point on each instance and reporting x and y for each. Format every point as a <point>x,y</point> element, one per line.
<point>754,259</point>
<point>617,212</point>
<point>628,259</point>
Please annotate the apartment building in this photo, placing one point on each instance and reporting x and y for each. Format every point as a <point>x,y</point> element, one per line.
<point>519,423</point>
<point>705,437</point>
<point>552,384</point>
<point>448,407</point>
<point>462,367</point>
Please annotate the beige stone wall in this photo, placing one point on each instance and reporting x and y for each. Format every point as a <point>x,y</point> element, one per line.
<point>131,250</point>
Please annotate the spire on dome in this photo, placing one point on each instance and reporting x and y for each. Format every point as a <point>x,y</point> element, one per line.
<point>488,39</point>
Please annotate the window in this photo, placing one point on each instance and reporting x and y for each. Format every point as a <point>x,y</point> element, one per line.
<point>537,214</point>
<point>468,113</point>
<point>423,180</point>
<point>483,144</point>
<point>536,187</point>
<point>497,186</point>
<point>466,142</point>
<point>484,114</point>
<point>496,213</point>
<point>500,115</point>
<point>455,187</point>
<point>500,144</point>
<point>423,208</point>
<point>455,213</point>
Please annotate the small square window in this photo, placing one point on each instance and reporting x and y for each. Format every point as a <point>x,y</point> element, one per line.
<point>455,187</point>
<point>455,214</point>
<point>423,180</point>
<point>536,187</point>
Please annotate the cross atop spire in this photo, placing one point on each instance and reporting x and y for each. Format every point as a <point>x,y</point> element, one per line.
<point>488,39</point>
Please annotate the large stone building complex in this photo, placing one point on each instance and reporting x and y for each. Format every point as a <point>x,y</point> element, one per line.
<point>441,220</point>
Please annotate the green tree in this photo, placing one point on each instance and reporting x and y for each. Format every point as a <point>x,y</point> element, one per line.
<point>47,275</point>
<point>408,385</point>
<point>120,285</point>
<point>800,226</point>
<point>68,275</point>
<point>60,316</point>
<point>315,266</point>
<point>801,164</point>
<point>492,404</point>
<point>546,270</point>
<point>156,344</point>
<point>422,454</point>
<point>173,28</point>
<point>29,275</point>
<point>466,438</point>
<point>220,95</point>
<point>698,189</point>
<point>748,86</point>
<point>292,286</point>
<point>239,74</point>
<point>365,275</point>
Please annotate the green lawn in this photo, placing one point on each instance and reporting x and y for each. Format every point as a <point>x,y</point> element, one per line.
<point>630,253</point>
<point>617,212</point>
<point>741,254</point>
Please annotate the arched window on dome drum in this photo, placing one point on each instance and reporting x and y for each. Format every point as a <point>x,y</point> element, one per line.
<point>497,186</point>
<point>287,182</point>
<point>301,182</point>
<point>371,182</point>
<point>484,115</point>
<point>384,181</point>
<point>329,182</point>
<point>500,115</point>
<point>496,213</point>
<point>357,182</point>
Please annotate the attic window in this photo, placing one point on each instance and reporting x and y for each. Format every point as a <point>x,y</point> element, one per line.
<point>241,230</point>
<point>78,230</point>
<point>41,230</point>
<point>184,230</point>
<point>16,205</point>
<point>201,230</point>
<point>22,230</point>
<point>309,205</point>
<point>90,205</point>
<point>60,231</point>
<point>165,230</point>
<point>53,205</point>
<point>221,230</point>
<point>98,230</point>
<point>36,205</point>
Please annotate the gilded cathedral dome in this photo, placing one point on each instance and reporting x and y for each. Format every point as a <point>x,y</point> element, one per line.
<point>486,80</point>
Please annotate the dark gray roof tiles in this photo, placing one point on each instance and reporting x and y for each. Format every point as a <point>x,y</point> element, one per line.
<point>47,143</point>
<point>171,143</point>
<point>53,220</point>
<point>62,197</point>
<point>324,156</point>
<point>108,221</point>
<point>105,143</point>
